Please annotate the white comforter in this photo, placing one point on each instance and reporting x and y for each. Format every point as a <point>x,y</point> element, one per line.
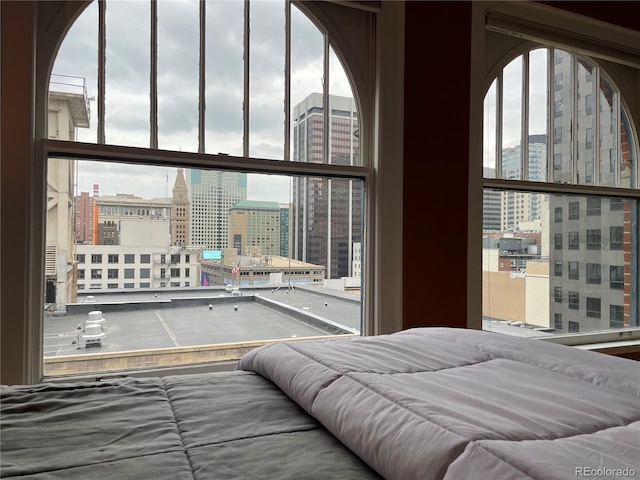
<point>440,403</point>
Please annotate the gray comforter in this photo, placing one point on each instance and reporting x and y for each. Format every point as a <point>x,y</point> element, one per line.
<point>457,404</point>
<point>230,425</point>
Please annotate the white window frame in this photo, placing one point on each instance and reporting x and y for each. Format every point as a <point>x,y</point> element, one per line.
<point>546,25</point>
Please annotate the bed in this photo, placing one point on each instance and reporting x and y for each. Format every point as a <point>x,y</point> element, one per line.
<point>426,403</point>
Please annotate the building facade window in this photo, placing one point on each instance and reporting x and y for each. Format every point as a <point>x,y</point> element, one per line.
<point>593,239</point>
<point>145,273</point>
<point>557,268</point>
<point>616,277</point>
<point>113,258</point>
<point>616,316</point>
<point>574,300</point>
<point>129,258</point>
<point>616,238</point>
<point>593,206</point>
<point>95,274</point>
<point>557,294</point>
<point>558,241</point>
<point>593,307</point>
<point>129,273</point>
<point>593,273</point>
<point>145,258</point>
<point>574,210</point>
<point>96,258</point>
<point>574,240</point>
<point>574,273</point>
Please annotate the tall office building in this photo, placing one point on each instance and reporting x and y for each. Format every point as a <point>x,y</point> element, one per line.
<point>593,269</point>
<point>254,228</point>
<point>327,213</point>
<point>517,207</point>
<point>211,195</point>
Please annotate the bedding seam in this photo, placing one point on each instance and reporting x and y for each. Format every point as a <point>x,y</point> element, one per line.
<point>264,435</point>
<point>499,458</point>
<point>175,421</point>
<point>94,463</point>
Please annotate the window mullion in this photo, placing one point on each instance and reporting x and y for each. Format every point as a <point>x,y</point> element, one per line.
<point>201,77</point>
<point>153,76</point>
<point>524,123</point>
<point>574,118</point>
<point>245,103</point>
<point>550,122</point>
<point>618,163</point>
<point>596,126</point>
<point>499,106</point>
<point>102,49</point>
<point>287,80</point>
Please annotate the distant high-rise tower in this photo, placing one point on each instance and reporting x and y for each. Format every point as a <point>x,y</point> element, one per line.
<point>211,194</point>
<point>522,206</point>
<point>84,218</point>
<point>180,211</point>
<point>327,213</point>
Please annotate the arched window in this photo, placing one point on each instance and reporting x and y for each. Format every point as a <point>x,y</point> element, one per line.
<point>224,105</point>
<point>560,215</point>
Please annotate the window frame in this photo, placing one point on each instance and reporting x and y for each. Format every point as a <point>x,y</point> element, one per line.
<point>378,73</point>
<point>534,25</point>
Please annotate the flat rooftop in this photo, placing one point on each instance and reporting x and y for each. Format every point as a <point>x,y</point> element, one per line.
<point>145,320</point>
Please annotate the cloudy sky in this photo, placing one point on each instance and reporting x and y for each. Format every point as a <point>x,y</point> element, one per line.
<point>127,102</point>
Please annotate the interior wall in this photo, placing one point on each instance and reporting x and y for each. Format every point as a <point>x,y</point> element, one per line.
<point>436,165</point>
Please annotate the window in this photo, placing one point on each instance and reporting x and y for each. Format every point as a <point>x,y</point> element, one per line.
<point>81,274</point>
<point>616,277</point>
<point>616,236</point>
<point>593,307</point>
<point>113,258</point>
<point>615,204</point>
<point>557,161</point>
<point>145,285</point>
<point>175,258</point>
<point>112,273</point>
<point>616,316</point>
<point>557,322</point>
<point>558,241</point>
<point>129,273</point>
<point>557,294</point>
<point>574,300</point>
<point>578,130</point>
<point>593,273</point>
<point>95,274</point>
<point>175,272</point>
<point>593,239</point>
<point>129,258</point>
<point>574,210</point>
<point>112,285</point>
<point>145,258</point>
<point>80,258</point>
<point>129,285</point>
<point>593,206</point>
<point>96,258</point>
<point>145,273</point>
<point>558,214</point>
<point>557,268</point>
<point>574,240</point>
<point>573,271</point>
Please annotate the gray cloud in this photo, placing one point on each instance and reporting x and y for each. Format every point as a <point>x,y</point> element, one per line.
<point>127,82</point>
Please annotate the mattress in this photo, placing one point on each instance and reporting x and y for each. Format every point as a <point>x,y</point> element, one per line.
<point>428,403</point>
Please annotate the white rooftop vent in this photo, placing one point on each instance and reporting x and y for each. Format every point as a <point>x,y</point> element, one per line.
<point>93,335</point>
<point>95,317</point>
